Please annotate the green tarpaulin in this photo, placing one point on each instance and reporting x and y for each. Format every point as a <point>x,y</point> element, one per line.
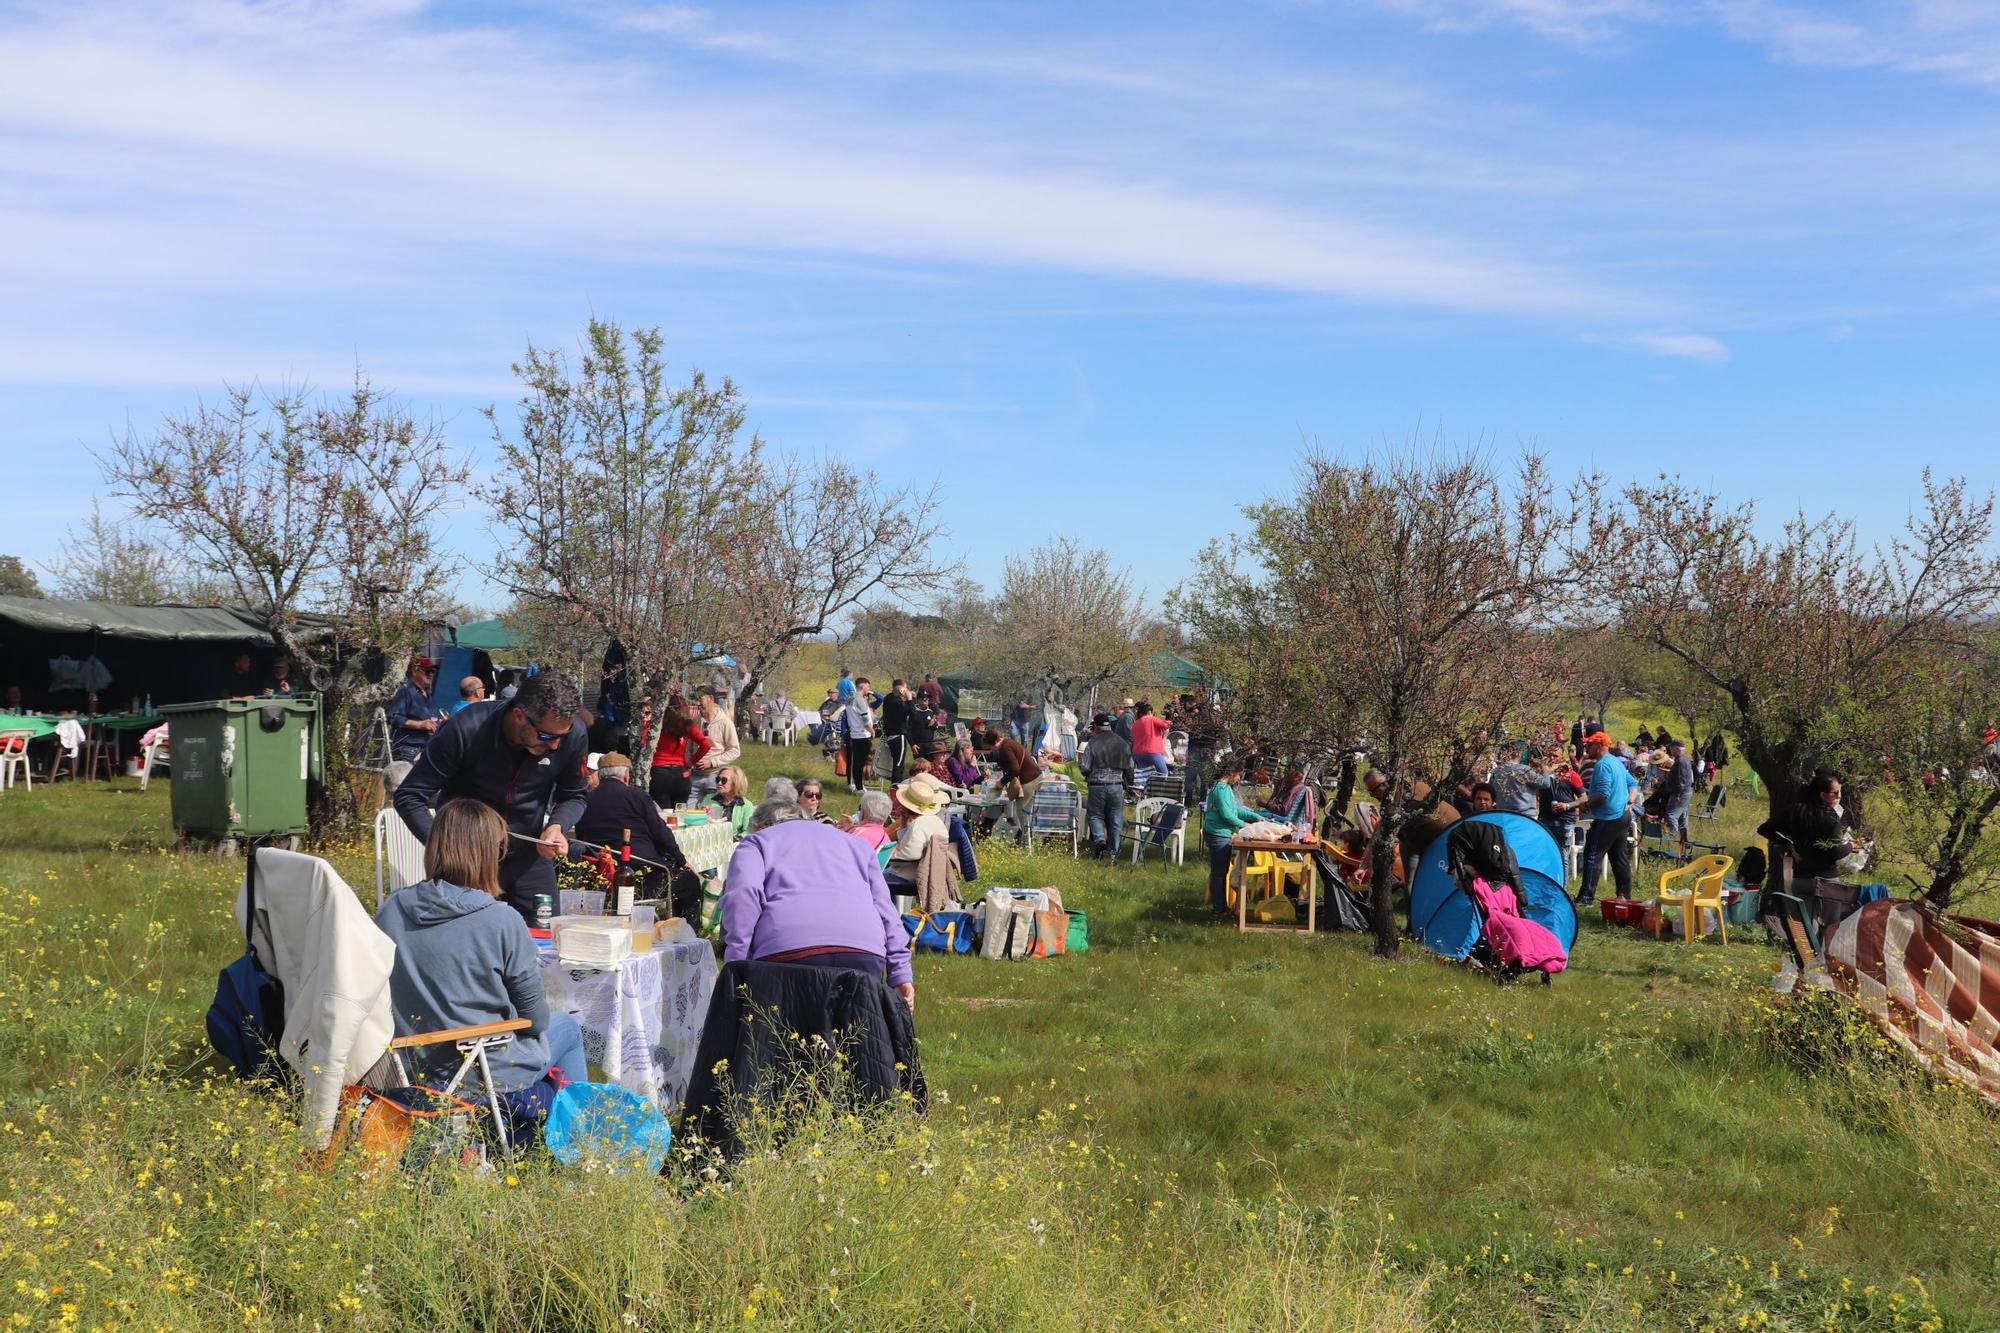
<point>491,636</point>
<point>55,615</point>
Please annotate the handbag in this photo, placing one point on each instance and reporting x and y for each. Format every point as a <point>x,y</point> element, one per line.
<point>1051,933</point>
<point>840,762</point>
<point>1077,937</point>
<point>939,932</point>
<point>408,1127</point>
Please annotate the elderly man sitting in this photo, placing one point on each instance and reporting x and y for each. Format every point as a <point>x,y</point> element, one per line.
<point>615,806</point>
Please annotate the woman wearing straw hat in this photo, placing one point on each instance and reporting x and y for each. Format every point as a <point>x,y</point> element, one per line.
<point>920,803</point>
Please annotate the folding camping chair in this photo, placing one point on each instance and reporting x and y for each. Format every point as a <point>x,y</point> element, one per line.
<point>1718,796</point>
<point>473,1043</point>
<point>1160,822</point>
<point>1057,812</point>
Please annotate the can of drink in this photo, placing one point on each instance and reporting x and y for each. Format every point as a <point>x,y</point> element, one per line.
<point>545,911</point>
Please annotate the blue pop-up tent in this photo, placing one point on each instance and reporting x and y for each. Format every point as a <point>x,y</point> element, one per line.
<point>1443,917</point>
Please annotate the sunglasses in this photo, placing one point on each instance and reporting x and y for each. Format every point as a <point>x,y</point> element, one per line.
<point>809,796</point>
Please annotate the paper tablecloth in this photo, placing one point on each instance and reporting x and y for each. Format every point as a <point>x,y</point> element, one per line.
<point>641,1020</point>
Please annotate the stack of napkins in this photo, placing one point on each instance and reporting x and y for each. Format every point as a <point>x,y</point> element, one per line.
<point>595,943</point>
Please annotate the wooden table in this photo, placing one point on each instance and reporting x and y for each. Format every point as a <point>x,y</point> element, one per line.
<point>1240,850</point>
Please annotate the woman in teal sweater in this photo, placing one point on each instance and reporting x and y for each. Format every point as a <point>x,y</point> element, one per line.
<point>1221,816</point>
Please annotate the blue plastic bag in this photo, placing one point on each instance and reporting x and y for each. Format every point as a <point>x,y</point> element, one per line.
<point>606,1124</point>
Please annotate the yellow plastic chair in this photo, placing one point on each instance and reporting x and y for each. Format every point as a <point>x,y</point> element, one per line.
<point>1274,872</point>
<point>1704,889</point>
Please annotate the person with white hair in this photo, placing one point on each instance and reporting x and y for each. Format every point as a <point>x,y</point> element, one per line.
<point>616,805</point>
<point>870,823</point>
<point>779,789</point>
<point>799,892</point>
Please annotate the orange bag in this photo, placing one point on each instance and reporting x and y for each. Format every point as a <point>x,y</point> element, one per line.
<point>381,1126</point>
<point>1051,933</point>
<point>840,762</point>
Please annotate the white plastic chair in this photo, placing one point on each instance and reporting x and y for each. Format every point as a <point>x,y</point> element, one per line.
<point>1161,822</point>
<point>14,759</point>
<point>399,857</point>
<point>158,752</point>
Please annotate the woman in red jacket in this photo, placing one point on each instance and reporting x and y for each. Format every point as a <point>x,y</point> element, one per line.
<point>682,744</point>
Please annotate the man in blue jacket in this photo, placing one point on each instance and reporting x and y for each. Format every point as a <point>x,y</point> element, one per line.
<point>524,758</point>
<point>1607,799</point>
<point>412,720</point>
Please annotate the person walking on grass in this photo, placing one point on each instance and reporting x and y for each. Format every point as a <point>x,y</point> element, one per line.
<point>1221,817</point>
<point>1608,802</point>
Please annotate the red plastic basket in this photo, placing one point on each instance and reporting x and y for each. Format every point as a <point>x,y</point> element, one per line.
<point>1620,911</point>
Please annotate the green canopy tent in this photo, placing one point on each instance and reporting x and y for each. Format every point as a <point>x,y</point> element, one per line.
<point>489,636</point>
<point>1174,671</point>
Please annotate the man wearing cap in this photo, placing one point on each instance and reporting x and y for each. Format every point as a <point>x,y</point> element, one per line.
<point>615,806</point>
<point>1607,799</point>
<point>1107,773</point>
<point>412,720</point>
<point>523,759</point>
<point>1122,721</point>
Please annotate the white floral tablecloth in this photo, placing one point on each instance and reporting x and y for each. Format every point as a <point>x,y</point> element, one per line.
<point>642,1019</point>
<point>706,846</point>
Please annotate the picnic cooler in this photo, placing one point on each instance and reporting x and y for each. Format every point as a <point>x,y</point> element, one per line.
<point>242,766</point>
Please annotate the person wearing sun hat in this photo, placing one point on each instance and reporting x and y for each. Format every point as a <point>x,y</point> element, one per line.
<point>920,802</point>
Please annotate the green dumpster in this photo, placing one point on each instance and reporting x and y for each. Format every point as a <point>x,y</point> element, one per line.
<point>241,766</point>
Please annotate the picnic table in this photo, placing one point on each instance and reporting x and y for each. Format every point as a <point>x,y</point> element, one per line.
<point>1242,849</point>
<point>641,1019</point>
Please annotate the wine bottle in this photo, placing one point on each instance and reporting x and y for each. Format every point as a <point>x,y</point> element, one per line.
<point>619,901</point>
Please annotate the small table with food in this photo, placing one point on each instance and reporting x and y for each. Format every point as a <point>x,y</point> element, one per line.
<point>1242,849</point>
<point>641,1017</point>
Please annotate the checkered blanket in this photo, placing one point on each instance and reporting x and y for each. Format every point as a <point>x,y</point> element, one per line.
<point>1931,982</point>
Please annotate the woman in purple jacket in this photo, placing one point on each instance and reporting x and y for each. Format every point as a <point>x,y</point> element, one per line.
<point>798,891</point>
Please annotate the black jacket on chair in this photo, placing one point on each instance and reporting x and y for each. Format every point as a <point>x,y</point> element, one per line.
<point>761,1029</point>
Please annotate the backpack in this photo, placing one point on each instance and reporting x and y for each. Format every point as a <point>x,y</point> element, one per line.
<point>1752,867</point>
<point>248,1013</point>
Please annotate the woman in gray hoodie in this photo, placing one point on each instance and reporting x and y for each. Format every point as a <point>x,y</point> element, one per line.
<point>464,957</point>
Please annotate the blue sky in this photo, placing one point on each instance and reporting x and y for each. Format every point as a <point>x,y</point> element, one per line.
<point>1099,269</point>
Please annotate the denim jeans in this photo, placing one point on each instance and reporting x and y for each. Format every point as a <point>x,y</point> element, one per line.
<point>1154,763</point>
<point>1194,777</point>
<point>1677,819</point>
<point>1219,857</point>
<point>565,1041</point>
<point>1105,805</point>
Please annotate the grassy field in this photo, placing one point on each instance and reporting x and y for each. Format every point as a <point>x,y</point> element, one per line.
<point>1182,1127</point>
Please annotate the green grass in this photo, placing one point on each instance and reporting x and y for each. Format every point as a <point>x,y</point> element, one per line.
<point>1183,1126</point>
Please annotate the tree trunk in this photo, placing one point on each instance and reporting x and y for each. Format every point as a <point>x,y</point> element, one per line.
<point>1343,795</point>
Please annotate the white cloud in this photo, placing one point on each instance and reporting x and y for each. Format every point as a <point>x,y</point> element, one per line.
<point>277,131</point>
<point>1958,40</point>
<point>1685,346</point>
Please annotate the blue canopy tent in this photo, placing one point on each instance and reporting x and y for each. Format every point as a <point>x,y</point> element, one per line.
<point>1443,917</point>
